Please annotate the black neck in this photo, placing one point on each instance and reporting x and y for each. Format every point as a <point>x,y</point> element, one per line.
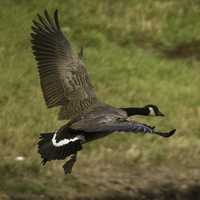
<point>136,111</point>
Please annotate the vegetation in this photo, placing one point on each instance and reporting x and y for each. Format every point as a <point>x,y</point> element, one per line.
<point>137,52</point>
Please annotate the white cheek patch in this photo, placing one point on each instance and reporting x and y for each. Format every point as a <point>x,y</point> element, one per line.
<point>151,111</point>
<point>66,141</point>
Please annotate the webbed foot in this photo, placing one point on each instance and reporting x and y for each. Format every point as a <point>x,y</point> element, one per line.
<point>69,164</point>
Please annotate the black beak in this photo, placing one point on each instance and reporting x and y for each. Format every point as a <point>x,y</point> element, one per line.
<point>160,114</point>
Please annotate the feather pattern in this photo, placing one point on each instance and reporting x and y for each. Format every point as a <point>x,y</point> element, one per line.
<point>112,126</point>
<point>63,76</point>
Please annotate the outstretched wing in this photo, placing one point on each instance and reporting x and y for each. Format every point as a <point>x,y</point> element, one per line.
<point>63,76</point>
<point>111,125</point>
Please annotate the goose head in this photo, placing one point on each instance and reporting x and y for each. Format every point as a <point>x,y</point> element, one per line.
<point>154,110</point>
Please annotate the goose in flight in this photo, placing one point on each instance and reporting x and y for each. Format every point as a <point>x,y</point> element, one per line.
<point>65,83</point>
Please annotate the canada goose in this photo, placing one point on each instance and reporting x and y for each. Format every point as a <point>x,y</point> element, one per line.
<point>65,83</point>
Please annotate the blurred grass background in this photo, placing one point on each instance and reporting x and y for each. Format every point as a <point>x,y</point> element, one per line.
<point>137,52</point>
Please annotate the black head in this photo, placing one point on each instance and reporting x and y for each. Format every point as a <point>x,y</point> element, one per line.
<point>154,110</point>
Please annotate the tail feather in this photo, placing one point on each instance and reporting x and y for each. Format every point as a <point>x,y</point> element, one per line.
<point>50,152</point>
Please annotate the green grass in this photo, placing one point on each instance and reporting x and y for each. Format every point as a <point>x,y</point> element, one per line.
<point>137,52</point>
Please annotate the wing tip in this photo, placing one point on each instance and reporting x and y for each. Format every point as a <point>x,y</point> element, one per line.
<point>56,19</point>
<point>46,22</point>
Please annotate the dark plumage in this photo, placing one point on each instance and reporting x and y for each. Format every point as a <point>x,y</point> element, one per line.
<point>65,83</point>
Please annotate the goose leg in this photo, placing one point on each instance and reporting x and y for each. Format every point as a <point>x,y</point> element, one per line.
<point>69,164</point>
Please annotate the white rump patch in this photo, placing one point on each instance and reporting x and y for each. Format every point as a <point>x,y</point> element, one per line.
<point>66,141</point>
<point>152,112</point>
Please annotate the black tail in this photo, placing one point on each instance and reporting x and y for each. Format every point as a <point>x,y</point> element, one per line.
<point>49,152</point>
